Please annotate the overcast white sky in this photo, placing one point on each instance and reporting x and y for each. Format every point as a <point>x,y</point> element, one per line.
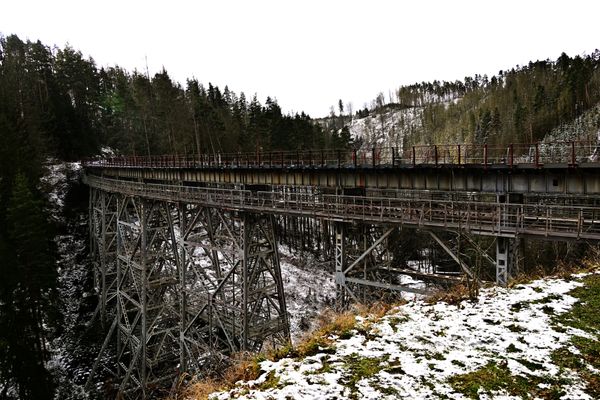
<point>308,54</point>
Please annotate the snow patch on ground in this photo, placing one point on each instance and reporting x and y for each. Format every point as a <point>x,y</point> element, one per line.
<point>418,346</point>
<point>70,361</point>
<point>56,182</point>
<point>309,288</point>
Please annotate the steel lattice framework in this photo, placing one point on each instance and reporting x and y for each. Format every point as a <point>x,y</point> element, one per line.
<point>180,281</point>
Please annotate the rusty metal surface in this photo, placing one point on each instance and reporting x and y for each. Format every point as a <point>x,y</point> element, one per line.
<point>566,153</point>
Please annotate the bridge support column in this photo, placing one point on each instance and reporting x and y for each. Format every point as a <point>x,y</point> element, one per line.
<point>103,244</point>
<point>503,260</point>
<point>362,264</point>
<point>143,338</point>
<point>190,281</point>
<point>342,290</point>
<point>147,296</point>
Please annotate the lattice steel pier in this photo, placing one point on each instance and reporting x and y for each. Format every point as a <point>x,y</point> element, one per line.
<point>177,282</point>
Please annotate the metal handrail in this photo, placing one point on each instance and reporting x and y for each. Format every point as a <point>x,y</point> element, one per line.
<point>572,153</point>
<point>484,217</point>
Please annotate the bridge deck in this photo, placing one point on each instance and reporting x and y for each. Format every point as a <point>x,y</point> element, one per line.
<point>541,168</point>
<point>562,222</point>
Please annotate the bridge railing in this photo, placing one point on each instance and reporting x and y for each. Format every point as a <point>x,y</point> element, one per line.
<point>488,217</point>
<point>537,154</point>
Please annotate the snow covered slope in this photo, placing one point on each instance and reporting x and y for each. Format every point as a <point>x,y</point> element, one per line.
<point>415,351</point>
<point>309,289</point>
<point>585,127</point>
<point>386,128</point>
<point>72,351</point>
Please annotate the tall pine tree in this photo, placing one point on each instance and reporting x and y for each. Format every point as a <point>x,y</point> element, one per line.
<point>29,278</point>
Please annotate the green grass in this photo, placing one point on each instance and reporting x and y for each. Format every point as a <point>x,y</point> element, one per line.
<point>387,390</point>
<point>495,377</point>
<point>359,368</point>
<point>488,378</point>
<point>271,382</point>
<point>512,349</point>
<point>532,366</point>
<point>585,316</point>
<point>515,328</point>
<point>325,366</point>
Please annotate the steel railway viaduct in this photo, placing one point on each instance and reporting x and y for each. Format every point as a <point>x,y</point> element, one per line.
<point>185,248</point>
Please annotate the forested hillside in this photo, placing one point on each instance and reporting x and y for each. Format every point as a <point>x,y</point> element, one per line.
<point>521,105</point>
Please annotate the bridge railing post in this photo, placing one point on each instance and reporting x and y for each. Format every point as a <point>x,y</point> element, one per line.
<point>485,154</point>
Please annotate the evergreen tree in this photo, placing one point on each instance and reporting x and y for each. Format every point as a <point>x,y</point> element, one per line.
<point>29,278</point>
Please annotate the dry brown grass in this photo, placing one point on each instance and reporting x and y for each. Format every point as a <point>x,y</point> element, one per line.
<point>462,291</point>
<point>453,295</point>
<point>563,269</point>
<point>246,366</point>
<point>199,389</point>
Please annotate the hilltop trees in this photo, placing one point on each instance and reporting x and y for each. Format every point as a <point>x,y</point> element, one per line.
<point>519,105</point>
<point>71,107</point>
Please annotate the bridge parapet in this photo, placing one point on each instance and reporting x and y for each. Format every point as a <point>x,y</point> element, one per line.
<point>569,168</point>
<point>569,153</point>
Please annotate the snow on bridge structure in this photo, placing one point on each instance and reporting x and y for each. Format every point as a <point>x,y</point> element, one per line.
<point>186,252</point>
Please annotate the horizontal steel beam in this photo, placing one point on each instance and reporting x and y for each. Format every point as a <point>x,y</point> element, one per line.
<point>543,221</point>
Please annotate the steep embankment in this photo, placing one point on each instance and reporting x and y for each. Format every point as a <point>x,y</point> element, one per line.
<point>387,127</point>
<point>584,127</point>
<point>395,127</point>
<point>539,339</point>
<point>73,344</point>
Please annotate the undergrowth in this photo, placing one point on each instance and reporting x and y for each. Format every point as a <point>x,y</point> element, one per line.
<point>584,316</point>
<point>495,377</point>
<point>330,326</point>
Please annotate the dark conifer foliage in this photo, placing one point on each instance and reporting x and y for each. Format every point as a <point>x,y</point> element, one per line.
<point>28,280</point>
